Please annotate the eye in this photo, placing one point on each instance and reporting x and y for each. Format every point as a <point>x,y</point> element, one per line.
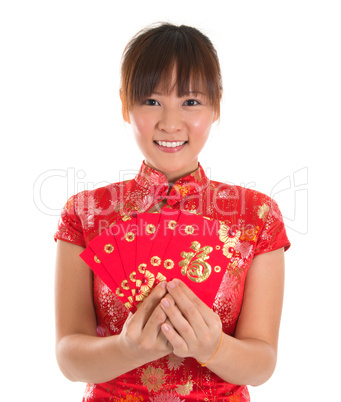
<point>151,102</point>
<point>191,102</point>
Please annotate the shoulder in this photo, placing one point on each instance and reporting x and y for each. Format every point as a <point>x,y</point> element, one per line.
<point>98,198</point>
<point>253,214</point>
<point>242,200</point>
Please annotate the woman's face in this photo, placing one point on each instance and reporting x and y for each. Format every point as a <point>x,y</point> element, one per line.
<point>171,131</point>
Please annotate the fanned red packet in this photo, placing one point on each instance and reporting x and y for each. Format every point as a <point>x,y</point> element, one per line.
<point>136,253</point>
<point>107,248</point>
<point>161,226</point>
<point>107,276</point>
<point>193,254</point>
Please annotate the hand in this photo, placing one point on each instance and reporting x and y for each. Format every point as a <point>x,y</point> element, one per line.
<point>141,337</point>
<point>192,328</point>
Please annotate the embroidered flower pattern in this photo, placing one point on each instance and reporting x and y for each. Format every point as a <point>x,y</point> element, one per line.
<point>153,378</point>
<point>254,215</point>
<point>244,248</point>
<point>166,397</point>
<point>185,389</point>
<point>263,211</point>
<point>89,392</point>
<point>183,190</point>
<point>174,362</point>
<point>250,233</point>
<point>130,398</point>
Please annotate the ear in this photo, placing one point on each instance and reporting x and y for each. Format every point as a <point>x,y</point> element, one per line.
<point>125,113</point>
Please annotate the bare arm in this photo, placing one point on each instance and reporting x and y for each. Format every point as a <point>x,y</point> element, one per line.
<point>250,356</point>
<point>81,355</point>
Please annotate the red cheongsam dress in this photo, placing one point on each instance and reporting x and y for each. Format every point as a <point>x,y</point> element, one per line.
<point>255,226</point>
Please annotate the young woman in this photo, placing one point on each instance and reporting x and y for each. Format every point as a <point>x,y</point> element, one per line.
<point>174,347</point>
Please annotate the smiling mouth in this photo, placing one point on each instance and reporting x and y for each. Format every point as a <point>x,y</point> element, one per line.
<point>170,144</point>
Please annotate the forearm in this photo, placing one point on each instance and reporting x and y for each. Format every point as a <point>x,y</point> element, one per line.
<point>92,359</point>
<point>244,362</point>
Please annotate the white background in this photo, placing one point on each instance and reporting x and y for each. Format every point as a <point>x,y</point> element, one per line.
<point>61,132</point>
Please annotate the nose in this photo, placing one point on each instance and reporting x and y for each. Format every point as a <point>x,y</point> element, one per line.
<point>170,120</point>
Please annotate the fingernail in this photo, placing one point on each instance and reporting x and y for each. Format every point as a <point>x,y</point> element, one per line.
<point>163,284</point>
<point>165,327</point>
<point>171,285</point>
<point>176,281</point>
<point>165,303</point>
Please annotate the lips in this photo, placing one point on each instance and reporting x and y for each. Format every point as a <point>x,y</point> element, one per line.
<point>170,144</point>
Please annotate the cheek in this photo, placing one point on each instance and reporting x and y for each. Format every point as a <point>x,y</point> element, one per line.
<point>140,124</point>
<point>201,126</point>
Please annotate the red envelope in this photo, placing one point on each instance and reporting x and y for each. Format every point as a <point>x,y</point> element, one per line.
<point>106,248</point>
<point>158,240</point>
<point>194,254</point>
<point>98,268</point>
<point>148,225</point>
<point>139,251</point>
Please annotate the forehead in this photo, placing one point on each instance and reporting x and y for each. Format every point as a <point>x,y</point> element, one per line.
<point>172,81</point>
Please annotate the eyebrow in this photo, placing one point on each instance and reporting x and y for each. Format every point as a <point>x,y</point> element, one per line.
<point>186,94</point>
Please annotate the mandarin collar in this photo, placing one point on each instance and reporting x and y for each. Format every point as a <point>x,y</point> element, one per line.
<point>156,183</point>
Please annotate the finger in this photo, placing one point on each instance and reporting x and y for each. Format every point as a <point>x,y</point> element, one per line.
<point>152,332</point>
<point>162,337</point>
<point>191,310</point>
<point>178,321</point>
<point>211,318</point>
<point>146,308</point>
<point>177,343</point>
<point>153,325</point>
<point>205,310</point>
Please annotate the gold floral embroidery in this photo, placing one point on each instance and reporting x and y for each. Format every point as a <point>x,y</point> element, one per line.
<point>153,378</point>
<point>185,389</point>
<point>128,305</point>
<point>142,268</point>
<point>155,261</point>
<point>130,398</point>
<point>145,285</point>
<point>172,224</point>
<point>159,277</point>
<point>234,269</point>
<point>189,229</point>
<point>263,211</point>
<point>97,259</point>
<point>108,248</point>
<point>182,189</point>
<point>168,264</point>
<point>229,238</point>
<point>198,270</point>
<point>174,362</point>
<point>130,236</point>
<point>197,175</point>
<point>150,229</point>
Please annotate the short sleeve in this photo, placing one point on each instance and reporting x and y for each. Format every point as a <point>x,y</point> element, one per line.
<point>272,235</point>
<point>70,227</point>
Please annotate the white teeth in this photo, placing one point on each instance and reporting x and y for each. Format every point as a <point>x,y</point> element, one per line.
<point>170,144</point>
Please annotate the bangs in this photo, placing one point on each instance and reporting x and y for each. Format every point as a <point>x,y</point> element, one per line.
<point>151,59</point>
